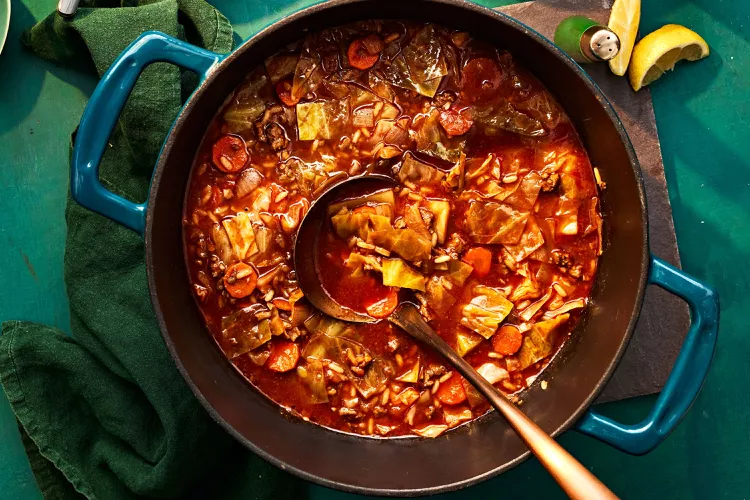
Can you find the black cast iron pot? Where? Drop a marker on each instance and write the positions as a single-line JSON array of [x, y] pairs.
[[403, 466]]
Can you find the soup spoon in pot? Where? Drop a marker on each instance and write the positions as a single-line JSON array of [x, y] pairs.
[[577, 481]]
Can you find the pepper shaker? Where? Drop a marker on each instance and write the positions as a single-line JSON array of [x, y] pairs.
[[585, 40]]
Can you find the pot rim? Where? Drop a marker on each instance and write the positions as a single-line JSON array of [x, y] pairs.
[[585, 404]]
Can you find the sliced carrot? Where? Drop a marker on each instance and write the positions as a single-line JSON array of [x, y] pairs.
[[452, 392], [284, 91], [240, 280], [284, 356], [455, 122], [359, 55], [507, 340], [229, 154], [480, 259], [384, 307], [365, 209]]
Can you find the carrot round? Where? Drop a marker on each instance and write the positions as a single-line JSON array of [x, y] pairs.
[[229, 154], [452, 392], [480, 259], [284, 356], [284, 91], [384, 307], [454, 122], [240, 280], [507, 340], [363, 53]]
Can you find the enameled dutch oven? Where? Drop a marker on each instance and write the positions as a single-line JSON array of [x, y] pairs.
[[402, 466]]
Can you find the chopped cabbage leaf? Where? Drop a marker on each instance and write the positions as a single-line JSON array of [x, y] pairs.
[[424, 56], [528, 289], [534, 308], [241, 235], [459, 271], [540, 341], [420, 66], [360, 224], [414, 221], [486, 310], [441, 209], [322, 119], [504, 116], [455, 415], [222, 243], [567, 307], [330, 326], [411, 375], [319, 58], [438, 297], [567, 209], [466, 340], [312, 377], [242, 332], [418, 172], [361, 97], [309, 175], [431, 431], [280, 66], [380, 86], [405, 242], [249, 103], [360, 263], [524, 197], [541, 107], [380, 197], [397, 273], [472, 394], [490, 222], [531, 239]]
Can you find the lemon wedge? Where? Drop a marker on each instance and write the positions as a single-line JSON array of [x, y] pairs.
[[658, 52], [623, 20]]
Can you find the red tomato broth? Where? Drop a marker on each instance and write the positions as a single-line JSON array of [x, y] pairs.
[[277, 153]]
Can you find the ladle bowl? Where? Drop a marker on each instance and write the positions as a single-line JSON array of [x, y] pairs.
[[577, 481]]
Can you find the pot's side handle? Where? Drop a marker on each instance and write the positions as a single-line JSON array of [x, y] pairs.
[[687, 376], [104, 109]]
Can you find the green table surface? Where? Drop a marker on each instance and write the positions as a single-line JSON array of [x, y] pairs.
[[701, 112]]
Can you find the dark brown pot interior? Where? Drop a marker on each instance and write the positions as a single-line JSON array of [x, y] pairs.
[[405, 466]]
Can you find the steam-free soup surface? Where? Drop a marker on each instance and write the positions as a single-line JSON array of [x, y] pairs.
[[494, 224]]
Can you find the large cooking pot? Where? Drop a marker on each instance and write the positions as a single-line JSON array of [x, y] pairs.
[[402, 466]]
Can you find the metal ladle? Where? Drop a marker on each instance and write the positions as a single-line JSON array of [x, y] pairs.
[[573, 478]]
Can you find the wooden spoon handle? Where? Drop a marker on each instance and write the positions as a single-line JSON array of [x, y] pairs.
[[577, 481]]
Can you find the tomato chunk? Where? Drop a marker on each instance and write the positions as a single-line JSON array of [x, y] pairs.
[[363, 53], [384, 307], [507, 340], [455, 122], [230, 154], [284, 91], [480, 78], [480, 259], [240, 280], [452, 392], [284, 356]]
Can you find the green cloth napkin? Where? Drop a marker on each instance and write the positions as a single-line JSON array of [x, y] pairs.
[[104, 413]]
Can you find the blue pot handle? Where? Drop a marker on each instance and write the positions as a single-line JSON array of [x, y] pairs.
[[688, 373], [104, 109]]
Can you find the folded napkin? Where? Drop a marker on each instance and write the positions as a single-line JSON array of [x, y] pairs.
[[104, 413]]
